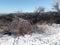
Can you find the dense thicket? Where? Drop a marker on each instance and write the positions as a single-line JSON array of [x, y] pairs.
[[33, 18]]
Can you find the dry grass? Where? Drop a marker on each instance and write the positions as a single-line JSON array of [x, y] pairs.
[[3, 26], [42, 27]]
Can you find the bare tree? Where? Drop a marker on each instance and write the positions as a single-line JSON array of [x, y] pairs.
[[18, 11], [56, 5], [39, 10]]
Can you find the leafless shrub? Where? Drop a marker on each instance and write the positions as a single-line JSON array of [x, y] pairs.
[[21, 27]]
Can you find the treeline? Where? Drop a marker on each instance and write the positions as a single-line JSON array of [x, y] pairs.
[[33, 18]]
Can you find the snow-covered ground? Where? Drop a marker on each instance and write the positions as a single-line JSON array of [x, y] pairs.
[[50, 37]]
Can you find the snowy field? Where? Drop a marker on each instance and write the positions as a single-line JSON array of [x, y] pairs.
[[51, 36]]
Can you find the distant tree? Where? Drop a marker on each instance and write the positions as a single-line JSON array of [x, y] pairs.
[[56, 5], [39, 10], [19, 11]]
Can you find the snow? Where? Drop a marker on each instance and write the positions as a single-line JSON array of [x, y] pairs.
[[50, 37]]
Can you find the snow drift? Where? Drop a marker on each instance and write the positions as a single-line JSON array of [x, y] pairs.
[[51, 36]]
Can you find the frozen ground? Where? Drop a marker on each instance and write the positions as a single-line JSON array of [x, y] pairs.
[[50, 37]]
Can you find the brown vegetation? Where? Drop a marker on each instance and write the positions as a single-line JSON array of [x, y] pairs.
[[21, 27], [21, 24]]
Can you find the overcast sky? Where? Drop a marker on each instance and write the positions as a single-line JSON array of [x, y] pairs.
[[24, 5]]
